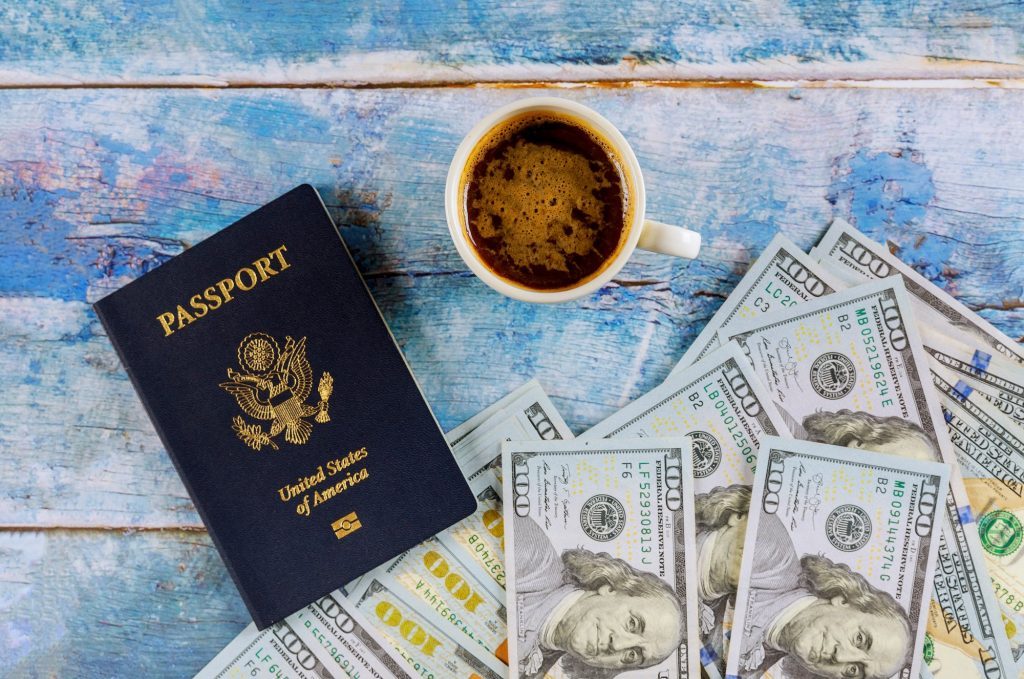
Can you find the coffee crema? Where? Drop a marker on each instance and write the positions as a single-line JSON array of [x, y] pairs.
[[546, 201]]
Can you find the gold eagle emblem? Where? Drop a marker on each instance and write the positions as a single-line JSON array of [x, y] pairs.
[[272, 386]]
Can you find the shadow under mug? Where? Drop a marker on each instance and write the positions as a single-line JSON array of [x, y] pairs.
[[640, 232]]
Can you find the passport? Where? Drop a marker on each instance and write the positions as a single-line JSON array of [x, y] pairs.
[[286, 406]]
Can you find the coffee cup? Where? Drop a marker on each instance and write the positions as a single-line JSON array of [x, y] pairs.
[[545, 202]]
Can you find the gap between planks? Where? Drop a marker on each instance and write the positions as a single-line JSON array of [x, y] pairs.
[[611, 83]]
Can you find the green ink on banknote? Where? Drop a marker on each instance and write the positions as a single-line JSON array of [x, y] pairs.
[[1001, 532]]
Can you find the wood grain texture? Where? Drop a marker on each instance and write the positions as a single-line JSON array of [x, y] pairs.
[[98, 187], [223, 42], [112, 604], [104, 567]]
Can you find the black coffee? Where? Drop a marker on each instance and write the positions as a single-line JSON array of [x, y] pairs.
[[546, 201]]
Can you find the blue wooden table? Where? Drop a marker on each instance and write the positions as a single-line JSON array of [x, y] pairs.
[[131, 130]]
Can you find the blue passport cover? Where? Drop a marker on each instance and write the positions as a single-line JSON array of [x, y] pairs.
[[286, 406]]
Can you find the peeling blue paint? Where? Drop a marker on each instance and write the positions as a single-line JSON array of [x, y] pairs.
[[116, 147], [133, 257], [888, 194], [930, 256], [882, 188], [32, 376], [36, 255]]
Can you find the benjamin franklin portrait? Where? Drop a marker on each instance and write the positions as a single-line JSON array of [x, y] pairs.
[[594, 614], [817, 617], [858, 429], [721, 519]]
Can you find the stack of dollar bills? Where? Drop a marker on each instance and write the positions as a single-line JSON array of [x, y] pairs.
[[830, 483]]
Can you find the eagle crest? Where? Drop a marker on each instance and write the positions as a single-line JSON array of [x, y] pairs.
[[272, 386]]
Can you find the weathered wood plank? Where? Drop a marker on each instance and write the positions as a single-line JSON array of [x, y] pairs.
[[278, 42], [97, 187], [111, 604]]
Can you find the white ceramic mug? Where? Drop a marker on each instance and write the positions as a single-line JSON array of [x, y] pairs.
[[640, 232]]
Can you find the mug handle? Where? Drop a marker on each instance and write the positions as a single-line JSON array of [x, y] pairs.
[[669, 240]]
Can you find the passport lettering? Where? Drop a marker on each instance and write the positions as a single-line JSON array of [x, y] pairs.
[[219, 294], [337, 466]]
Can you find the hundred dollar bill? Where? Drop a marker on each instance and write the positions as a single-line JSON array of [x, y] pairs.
[[837, 564], [858, 256], [990, 450], [600, 544], [460, 432], [435, 581], [995, 377], [519, 401], [721, 406], [853, 354], [345, 641], [850, 370], [344, 644], [782, 277], [278, 651], [432, 650], [530, 417], [480, 537]]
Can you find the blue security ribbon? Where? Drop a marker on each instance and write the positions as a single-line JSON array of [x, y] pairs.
[[707, 655], [980, 360], [963, 390], [966, 515]]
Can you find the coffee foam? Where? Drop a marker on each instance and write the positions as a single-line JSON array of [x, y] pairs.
[[542, 205], [541, 202]]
